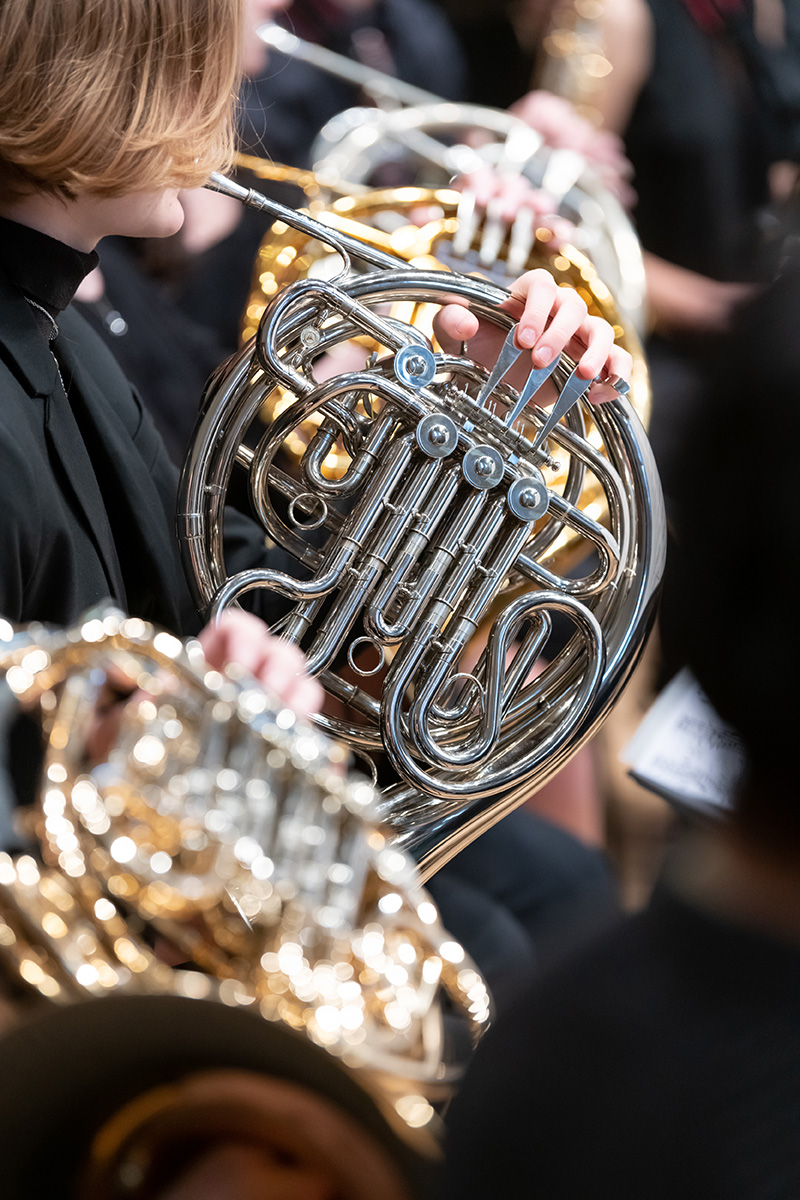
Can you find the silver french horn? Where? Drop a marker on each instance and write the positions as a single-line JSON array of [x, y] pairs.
[[430, 572]]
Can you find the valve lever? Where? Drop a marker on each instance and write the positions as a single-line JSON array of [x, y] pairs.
[[573, 390], [505, 361], [537, 377]]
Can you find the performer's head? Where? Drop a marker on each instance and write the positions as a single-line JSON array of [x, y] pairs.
[[110, 100]]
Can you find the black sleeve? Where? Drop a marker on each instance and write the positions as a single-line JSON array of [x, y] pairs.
[[578, 1093]]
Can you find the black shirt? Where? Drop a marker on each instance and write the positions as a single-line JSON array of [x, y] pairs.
[[87, 490], [44, 269], [699, 141], [47, 273]]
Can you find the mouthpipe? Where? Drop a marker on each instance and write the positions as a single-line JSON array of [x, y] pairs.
[[297, 220]]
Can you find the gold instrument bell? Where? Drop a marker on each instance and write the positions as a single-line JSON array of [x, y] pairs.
[[221, 826]]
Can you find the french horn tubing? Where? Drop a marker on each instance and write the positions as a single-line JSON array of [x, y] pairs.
[[447, 518], [385, 89], [220, 822], [287, 254]]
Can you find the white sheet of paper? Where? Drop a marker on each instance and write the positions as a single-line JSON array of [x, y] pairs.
[[685, 752]]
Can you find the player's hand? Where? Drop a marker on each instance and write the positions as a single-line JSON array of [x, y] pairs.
[[513, 196], [551, 320]]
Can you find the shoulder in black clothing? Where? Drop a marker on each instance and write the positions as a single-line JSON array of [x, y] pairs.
[[88, 490], [663, 1061]]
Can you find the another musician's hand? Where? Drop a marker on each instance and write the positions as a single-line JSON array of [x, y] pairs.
[[241, 638], [238, 638], [513, 195], [551, 319], [564, 128]]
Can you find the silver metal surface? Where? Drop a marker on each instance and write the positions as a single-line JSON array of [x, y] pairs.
[[415, 365], [528, 498], [437, 435], [573, 390], [483, 467], [417, 559]]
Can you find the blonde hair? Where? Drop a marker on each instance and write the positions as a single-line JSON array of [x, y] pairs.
[[113, 96]]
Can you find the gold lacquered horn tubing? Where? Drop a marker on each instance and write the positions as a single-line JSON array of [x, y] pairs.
[[280, 39], [298, 220]]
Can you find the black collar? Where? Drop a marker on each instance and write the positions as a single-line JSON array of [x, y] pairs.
[[41, 267]]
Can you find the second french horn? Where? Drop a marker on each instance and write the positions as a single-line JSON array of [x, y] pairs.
[[207, 827], [426, 141]]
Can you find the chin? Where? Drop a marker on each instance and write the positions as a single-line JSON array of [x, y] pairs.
[[169, 219]]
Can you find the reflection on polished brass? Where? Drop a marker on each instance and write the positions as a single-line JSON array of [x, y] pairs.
[[307, 181], [573, 62], [225, 827]]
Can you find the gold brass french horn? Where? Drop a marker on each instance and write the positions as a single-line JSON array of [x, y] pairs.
[[448, 516], [221, 823]]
